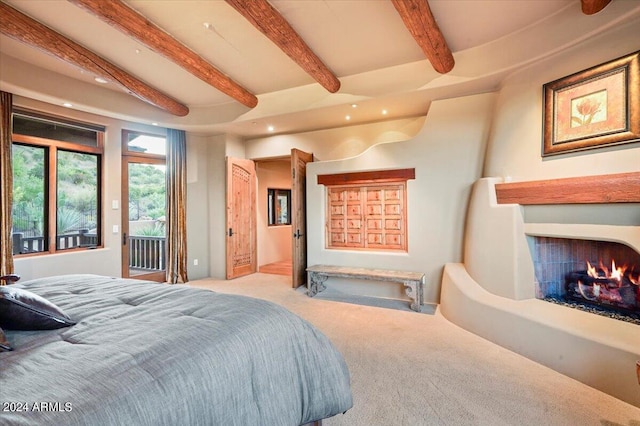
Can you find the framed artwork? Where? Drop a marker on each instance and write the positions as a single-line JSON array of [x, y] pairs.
[[593, 108]]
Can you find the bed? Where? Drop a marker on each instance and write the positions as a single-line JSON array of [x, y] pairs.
[[144, 353]]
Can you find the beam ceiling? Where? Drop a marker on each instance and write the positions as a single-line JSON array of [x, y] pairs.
[[267, 19], [589, 7], [21, 27], [420, 22], [125, 19]]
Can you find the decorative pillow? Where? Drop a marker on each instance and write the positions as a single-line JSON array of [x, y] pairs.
[[4, 344], [23, 310]]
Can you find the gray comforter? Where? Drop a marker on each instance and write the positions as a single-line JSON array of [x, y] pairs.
[[153, 354]]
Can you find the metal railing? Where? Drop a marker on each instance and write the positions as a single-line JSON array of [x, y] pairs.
[[145, 253]]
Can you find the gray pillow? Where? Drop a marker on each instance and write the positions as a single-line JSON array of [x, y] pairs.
[[4, 344], [23, 310]]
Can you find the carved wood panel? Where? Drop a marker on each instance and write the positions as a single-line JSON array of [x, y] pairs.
[[370, 216]]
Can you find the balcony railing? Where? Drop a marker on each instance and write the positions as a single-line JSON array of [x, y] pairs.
[[145, 253]]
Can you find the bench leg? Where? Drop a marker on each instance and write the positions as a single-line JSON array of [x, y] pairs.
[[413, 289], [315, 283]]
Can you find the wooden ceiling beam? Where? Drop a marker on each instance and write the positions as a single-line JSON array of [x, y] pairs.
[[127, 20], [589, 7], [420, 22], [272, 24], [20, 27]]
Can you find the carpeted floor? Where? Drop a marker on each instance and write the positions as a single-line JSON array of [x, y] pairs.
[[409, 368]]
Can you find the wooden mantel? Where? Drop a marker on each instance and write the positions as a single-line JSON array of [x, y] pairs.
[[601, 189]]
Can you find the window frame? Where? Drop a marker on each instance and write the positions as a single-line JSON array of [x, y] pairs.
[[272, 202], [52, 147]]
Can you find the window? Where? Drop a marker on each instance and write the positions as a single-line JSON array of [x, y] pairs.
[[279, 206], [367, 210], [57, 193]]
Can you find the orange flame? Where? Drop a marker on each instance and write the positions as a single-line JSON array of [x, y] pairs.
[[616, 273]]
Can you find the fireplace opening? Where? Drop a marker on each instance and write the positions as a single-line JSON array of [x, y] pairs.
[[596, 276]]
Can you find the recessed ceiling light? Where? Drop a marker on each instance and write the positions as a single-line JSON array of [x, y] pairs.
[[67, 104], [154, 124], [384, 112], [271, 128], [348, 117], [101, 80], [354, 105]]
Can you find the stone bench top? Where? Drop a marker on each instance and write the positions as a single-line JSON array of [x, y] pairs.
[[380, 274]]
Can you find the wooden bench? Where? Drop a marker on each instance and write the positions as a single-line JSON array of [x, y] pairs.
[[413, 281]]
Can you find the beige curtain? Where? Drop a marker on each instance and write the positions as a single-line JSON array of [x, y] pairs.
[[6, 189], [176, 206]]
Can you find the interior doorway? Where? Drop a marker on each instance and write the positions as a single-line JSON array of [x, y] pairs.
[[279, 212], [274, 215]]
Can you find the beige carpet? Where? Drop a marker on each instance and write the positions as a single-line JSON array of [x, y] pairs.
[[419, 369]]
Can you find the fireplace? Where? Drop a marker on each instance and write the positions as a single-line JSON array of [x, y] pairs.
[[597, 276], [498, 291]]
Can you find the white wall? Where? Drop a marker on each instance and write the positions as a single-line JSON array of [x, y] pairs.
[[447, 155]]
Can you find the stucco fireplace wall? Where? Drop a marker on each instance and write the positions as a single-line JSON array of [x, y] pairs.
[[492, 295]]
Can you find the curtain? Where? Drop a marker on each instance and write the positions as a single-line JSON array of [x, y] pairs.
[[6, 189], [176, 225]]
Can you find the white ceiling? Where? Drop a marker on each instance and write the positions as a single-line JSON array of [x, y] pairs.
[[364, 42]]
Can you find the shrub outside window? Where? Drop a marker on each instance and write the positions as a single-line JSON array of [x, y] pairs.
[[57, 193]]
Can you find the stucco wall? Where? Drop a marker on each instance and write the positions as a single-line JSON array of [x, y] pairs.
[[447, 157], [514, 148]]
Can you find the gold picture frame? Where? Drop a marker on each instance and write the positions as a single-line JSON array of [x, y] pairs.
[[593, 108]]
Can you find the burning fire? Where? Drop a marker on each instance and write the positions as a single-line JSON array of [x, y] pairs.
[[607, 283], [615, 274]]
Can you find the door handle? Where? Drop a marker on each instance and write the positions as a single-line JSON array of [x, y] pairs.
[[124, 238], [231, 232], [297, 234]]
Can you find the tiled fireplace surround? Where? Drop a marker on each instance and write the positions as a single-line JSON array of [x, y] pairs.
[[554, 258], [493, 294]]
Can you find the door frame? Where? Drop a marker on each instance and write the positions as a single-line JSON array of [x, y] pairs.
[[129, 157]]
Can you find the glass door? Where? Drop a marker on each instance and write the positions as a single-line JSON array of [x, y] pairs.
[[144, 208]]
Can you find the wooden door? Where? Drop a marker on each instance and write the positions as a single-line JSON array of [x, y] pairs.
[[241, 217], [299, 160]]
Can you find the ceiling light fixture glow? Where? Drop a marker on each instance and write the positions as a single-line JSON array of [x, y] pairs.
[[354, 105], [271, 128], [348, 117], [384, 112]]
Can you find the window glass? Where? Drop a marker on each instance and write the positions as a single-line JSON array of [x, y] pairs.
[[55, 215], [29, 204], [77, 200], [148, 144], [30, 126]]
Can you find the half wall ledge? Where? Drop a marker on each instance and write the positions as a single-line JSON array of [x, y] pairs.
[[570, 341]]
